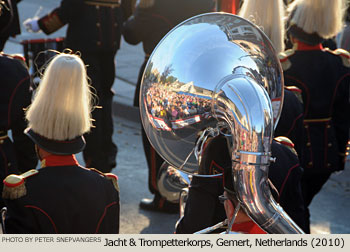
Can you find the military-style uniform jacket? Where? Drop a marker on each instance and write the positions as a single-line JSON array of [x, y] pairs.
[[149, 25], [203, 208], [93, 25], [9, 21], [323, 76], [15, 96], [62, 197]]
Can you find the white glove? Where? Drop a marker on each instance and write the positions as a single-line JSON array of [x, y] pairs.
[[31, 24]]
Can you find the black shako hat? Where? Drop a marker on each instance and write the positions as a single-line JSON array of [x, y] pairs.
[[301, 35], [66, 147]]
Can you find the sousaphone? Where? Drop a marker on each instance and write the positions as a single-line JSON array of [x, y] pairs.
[[218, 74]]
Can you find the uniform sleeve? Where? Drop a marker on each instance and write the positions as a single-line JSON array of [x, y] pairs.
[[203, 208], [128, 8], [135, 29], [18, 219], [291, 198], [109, 222], [341, 117], [65, 13], [286, 174], [19, 101]]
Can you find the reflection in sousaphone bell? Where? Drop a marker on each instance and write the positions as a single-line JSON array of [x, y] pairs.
[[171, 181], [184, 75], [218, 74]]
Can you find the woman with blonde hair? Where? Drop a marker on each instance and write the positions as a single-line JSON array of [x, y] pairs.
[[61, 196], [323, 76]]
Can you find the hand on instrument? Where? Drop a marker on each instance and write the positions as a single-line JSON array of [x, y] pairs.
[[31, 24]]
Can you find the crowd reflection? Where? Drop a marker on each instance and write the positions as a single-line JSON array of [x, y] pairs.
[[164, 103]]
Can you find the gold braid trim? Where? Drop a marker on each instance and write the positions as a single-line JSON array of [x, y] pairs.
[[345, 55], [318, 120], [109, 176], [283, 56], [52, 22], [286, 142], [14, 185], [104, 3]]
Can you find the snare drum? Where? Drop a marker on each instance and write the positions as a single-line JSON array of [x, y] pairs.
[[37, 53]]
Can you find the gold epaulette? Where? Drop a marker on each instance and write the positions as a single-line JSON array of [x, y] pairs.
[[286, 142], [19, 57], [114, 179], [345, 55], [297, 91], [14, 56], [293, 89], [283, 56], [14, 185], [109, 176]]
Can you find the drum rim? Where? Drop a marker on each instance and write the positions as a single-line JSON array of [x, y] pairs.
[[42, 40]]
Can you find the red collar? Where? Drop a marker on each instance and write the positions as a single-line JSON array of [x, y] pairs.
[[56, 160], [248, 227], [300, 46]]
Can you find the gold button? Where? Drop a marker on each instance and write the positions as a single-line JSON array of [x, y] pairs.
[[347, 148], [306, 126], [8, 164], [1, 141], [328, 126], [97, 7], [98, 43], [310, 163], [98, 24], [308, 144], [115, 24], [328, 165], [330, 145]]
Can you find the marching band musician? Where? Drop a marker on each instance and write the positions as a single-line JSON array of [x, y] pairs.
[[323, 76], [203, 206], [151, 20], [269, 16], [15, 96], [94, 29], [57, 197], [285, 174]]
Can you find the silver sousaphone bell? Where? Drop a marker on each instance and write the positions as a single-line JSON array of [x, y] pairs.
[[218, 74]]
